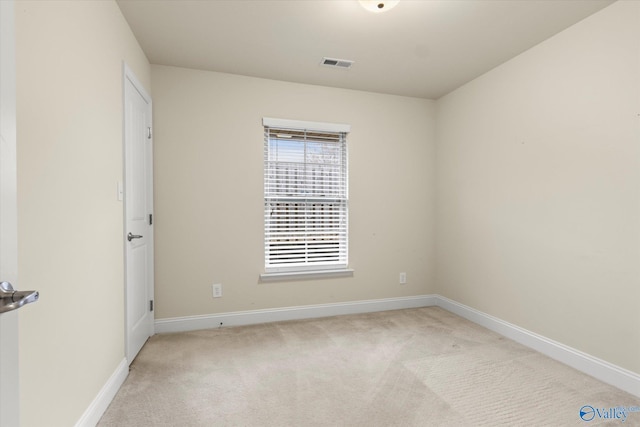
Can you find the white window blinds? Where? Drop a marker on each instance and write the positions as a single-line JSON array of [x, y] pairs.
[[305, 199]]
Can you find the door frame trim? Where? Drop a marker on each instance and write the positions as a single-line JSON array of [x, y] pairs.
[[9, 355]]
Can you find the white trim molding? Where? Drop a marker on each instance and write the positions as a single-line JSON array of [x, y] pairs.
[[237, 318], [590, 365], [278, 276], [305, 125], [104, 398]]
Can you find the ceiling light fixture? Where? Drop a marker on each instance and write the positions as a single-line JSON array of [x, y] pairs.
[[379, 6]]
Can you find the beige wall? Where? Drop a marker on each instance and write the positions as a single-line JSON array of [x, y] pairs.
[[209, 191], [538, 197], [69, 113]]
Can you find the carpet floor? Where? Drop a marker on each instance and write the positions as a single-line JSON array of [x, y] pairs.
[[413, 367]]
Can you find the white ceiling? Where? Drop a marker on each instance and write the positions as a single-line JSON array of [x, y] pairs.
[[421, 48]]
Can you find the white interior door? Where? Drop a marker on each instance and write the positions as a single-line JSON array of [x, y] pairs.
[[138, 148], [9, 377]]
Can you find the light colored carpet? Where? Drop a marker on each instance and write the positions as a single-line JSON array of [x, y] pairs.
[[414, 367]]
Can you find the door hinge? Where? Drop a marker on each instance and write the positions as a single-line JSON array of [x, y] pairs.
[[150, 305], [149, 134], [150, 219]]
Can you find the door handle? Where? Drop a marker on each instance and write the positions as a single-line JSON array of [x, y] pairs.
[[130, 236], [11, 299]]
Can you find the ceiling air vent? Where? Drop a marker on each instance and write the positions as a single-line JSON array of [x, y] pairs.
[[337, 63]]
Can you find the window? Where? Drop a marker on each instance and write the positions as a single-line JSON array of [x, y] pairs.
[[305, 196]]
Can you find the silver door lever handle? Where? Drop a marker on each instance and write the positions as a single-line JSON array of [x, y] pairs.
[[130, 236], [11, 299]]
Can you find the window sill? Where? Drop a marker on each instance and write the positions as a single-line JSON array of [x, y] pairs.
[[305, 275]]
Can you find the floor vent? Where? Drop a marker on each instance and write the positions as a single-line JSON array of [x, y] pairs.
[[337, 63]]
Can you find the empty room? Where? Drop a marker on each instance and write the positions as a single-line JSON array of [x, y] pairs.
[[320, 213]]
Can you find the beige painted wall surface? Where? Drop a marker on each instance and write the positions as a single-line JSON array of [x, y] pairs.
[[69, 107], [209, 191], [538, 189]]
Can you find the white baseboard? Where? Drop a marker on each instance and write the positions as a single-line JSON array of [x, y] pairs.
[[191, 323], [102, 401], [590, 365]]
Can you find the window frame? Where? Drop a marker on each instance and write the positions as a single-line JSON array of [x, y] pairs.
[[306, 269]]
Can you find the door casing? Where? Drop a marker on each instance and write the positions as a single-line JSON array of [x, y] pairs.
[[9, 367]]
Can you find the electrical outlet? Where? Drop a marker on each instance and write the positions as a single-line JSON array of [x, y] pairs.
[[403, 278], [217, 290]]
